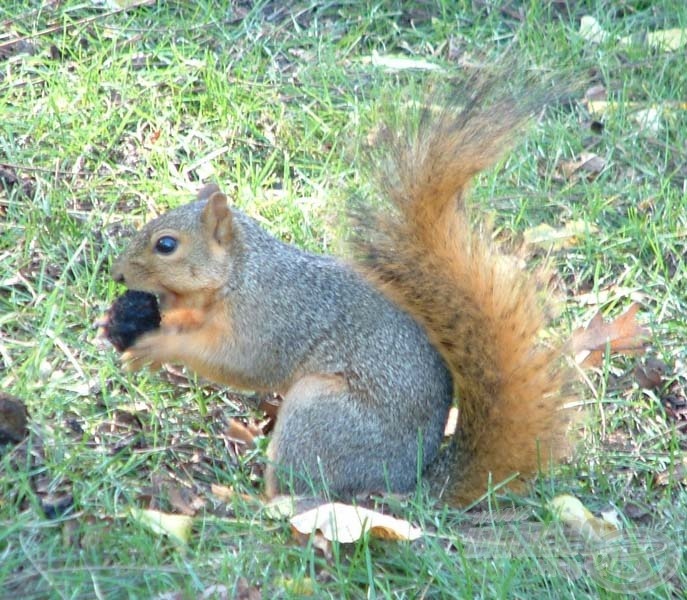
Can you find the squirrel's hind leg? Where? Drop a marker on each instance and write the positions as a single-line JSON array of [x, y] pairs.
[[313, 451]]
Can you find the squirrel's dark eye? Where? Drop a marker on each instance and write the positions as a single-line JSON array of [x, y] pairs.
[[166, 245]]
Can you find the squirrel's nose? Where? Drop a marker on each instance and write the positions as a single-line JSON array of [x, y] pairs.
[[117, 274]]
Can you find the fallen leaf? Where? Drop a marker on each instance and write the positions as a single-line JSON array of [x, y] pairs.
[[227, 494], [548, 237], [623, 335], [612, 294], [13, 419], [602, 107], [346, 524], [177, 527], [222, 492], [184, 500], [591, 31], [318, 541], [675, 401], [595, 92], [10, 179], [401, 63], [281, 507], [663, 40], [238, 432], [650, 375], [299, 587], [118, 5], [269, 405], [648, 119], [588, 163], [154, 137], [124, 431], [676, 473], [244, 591], [578, 517]]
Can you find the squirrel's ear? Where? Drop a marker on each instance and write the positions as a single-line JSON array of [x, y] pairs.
[[208, 190], [217, 218]]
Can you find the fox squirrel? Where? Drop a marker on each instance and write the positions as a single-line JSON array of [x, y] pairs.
[[368, 358]]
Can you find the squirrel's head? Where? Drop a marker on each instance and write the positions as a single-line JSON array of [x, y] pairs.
[[184, 252]]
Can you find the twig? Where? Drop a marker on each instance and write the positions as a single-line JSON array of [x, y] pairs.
[[33, 169]]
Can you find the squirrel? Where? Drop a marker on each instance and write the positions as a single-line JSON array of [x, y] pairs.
[[369, 356]]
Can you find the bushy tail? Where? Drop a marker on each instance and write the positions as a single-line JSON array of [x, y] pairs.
[[483, 313]]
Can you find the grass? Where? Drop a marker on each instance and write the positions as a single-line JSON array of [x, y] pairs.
[[111, 117]]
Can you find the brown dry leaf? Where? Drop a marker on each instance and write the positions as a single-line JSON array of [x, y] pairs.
[[675, 403], [227, 494], [319, 542], [238, 432], [269, 405], [222, 492], [675, 474], [587, 163], [184, 500], [14, 419], [346, 524], [244, 591], [124, 431], [650, 374], [10, 179], [623, 335], [154, 136]]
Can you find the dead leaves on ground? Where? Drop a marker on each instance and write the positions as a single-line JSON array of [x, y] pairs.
[[186, 484], [551, 238], [176, 527], [317, 527], [10, 181], [346, 524], [14, 419], [587, 165], [626, 336], [662, 40], [675, 474], [576, 515], [623, 335]]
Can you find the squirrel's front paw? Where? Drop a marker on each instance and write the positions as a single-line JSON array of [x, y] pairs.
[[149, 350]]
